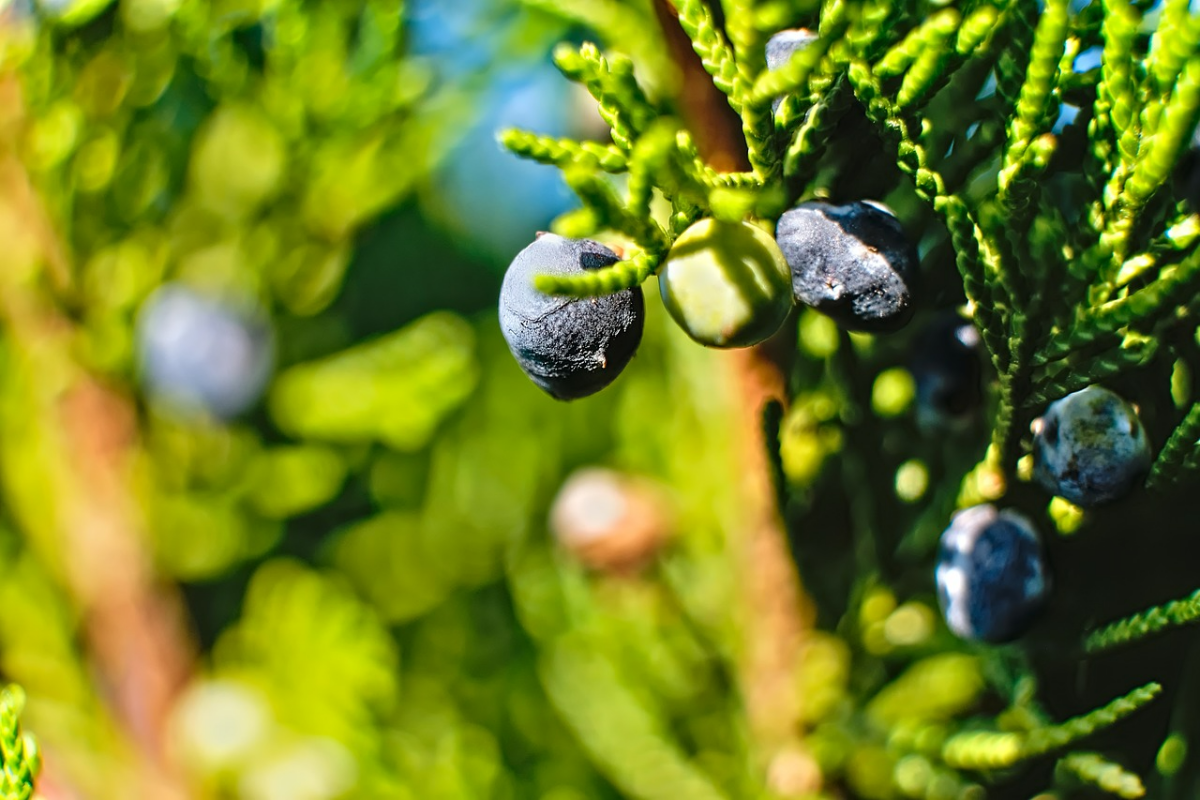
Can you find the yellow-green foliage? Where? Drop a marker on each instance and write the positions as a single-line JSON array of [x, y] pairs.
[[371, 601]]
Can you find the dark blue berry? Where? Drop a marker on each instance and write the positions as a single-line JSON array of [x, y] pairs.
[[948, 372], [852, 262], [1089, 447], [197, 353], [992, 577], [571, 348], [782, 45]]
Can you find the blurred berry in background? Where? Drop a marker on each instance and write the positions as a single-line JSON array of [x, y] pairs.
[[947, 367], [609, 520], [199, 354]]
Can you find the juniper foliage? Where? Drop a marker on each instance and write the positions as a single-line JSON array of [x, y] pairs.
[[373, 602]]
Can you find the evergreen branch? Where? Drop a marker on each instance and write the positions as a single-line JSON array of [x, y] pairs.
[[933, 59], [1145, 623], [1174, 286], [791, 77], [564, 153], [665, 157], [1010, 67], [681, 174], [971, 248], [732, 180], [835, 18], [578, 223], [975, 29], [718, 59], [1179, 450], [911, 158], [611, 213], [868, 33], [1166, 131], [19, 757], [622, 103], [740, 27], [624, 274], [936, 62], [1192, 462], [1001, 449], [1019, 181], [901, 56], [1027, 156], [982, 750], [643, 168], [632, 25], [682, 219], [758, 129], [1097, 770], [1112, 111], [1162, 147], [715, 54], [1028, 319], [1135, 351], [1098, 165], [1116, 137], [1033, 104], [1173, 44], [1117, 87], [1136, 267], [969, 255], [985, 750], [1180, 236], [800, 161]]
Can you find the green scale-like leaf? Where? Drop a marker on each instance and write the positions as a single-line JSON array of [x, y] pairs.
[[983, 750], [1097, 770], [19, 757], [1145, 623], [622, 103]]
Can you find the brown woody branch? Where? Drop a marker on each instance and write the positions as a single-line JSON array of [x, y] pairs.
[[776, 611]]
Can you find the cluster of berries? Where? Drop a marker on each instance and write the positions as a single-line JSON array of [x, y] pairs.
[[725, 284], [733, 284], [992, 576]]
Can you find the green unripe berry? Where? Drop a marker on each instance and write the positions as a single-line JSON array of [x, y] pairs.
[[726, 283]]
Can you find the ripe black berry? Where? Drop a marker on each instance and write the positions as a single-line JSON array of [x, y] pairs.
[[947, 369], [1089, 447], [571, 348], [992, 576], [852, 262]]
